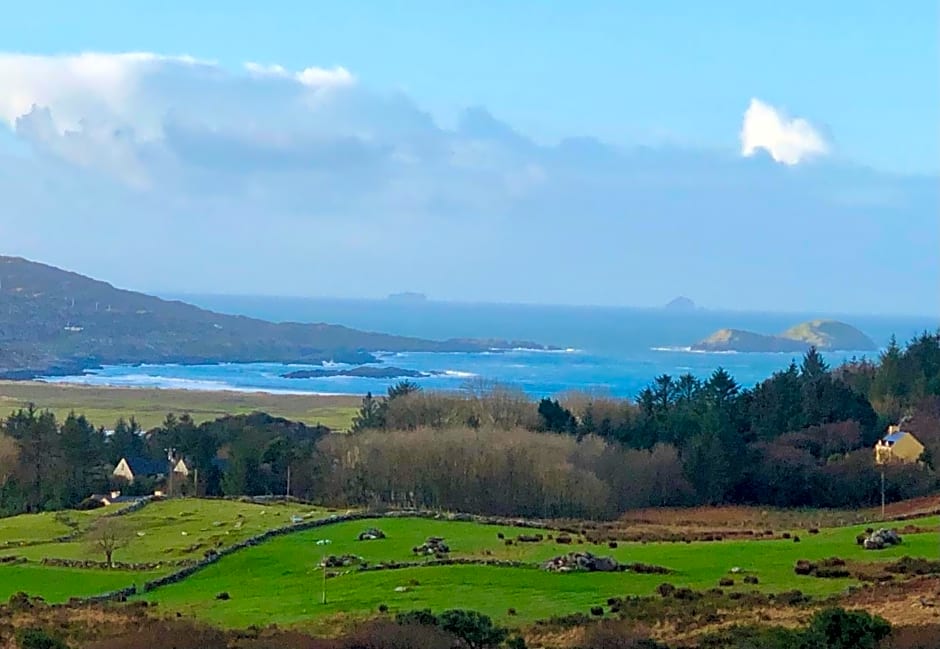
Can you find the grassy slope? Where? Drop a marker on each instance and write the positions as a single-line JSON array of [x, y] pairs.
[[177, 529], [59, 584], [278, 581], [103, 406]]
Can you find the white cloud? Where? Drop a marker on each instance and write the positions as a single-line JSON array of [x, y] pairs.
[[787, 140], [268, 179]]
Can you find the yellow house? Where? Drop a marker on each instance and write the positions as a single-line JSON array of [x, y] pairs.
[[898, 446]]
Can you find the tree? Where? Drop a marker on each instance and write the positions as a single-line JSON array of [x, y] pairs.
[[370, 415], [555, 418], [107, 536], [402, 389], [9, 457]]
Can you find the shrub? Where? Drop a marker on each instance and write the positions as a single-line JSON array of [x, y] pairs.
[[832, 573], [508, 541], [224, 596], [685, 594], [500, 536], [38, 639], [597, 611], [475, 629], [751, 579], [726, 581], [383, 608], [832, 562], [836, 628], [791, 597], [786, 535], [511, 612], [665, 590], [611, 544], [796, 539], [813, 530], [422, 617], [804, 567], [564, 539]]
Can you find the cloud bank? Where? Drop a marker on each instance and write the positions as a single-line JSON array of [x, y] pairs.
[[787, 140], [168, 172]]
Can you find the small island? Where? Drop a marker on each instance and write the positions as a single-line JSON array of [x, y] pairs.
[[825, 335], [363, 372], [681, 303]]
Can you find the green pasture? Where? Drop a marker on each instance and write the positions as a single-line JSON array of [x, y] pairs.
[[103, 406], [279, 581], [171, 530], [59, 584]]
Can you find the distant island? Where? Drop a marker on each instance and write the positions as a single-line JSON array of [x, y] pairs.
[[55, 322], [408, 296], [365, 372], [825, 335], [681, 303]]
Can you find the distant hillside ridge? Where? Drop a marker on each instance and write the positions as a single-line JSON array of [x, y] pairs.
[[54, 322], [825, 335]]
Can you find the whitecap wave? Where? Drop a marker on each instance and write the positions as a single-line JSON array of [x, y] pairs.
[[459, 374]]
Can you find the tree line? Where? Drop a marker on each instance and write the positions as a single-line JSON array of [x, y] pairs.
[[803, 437]]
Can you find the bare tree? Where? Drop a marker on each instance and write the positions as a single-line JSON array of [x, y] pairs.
[[9, 458], [107, 536]]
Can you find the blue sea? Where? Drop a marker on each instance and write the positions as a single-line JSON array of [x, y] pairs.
[[606, 350]]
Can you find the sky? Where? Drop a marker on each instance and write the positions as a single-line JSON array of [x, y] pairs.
[[766, 157]]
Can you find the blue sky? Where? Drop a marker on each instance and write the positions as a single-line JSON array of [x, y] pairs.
[[628, 72], [766, 156]]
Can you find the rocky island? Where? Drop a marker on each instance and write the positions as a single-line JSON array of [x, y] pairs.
[[363, 372], [825, 335]]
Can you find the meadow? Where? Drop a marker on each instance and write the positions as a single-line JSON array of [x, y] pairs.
[[280, 581], [104, 405]]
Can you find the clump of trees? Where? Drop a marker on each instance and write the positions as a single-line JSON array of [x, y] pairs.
[[501, 472]]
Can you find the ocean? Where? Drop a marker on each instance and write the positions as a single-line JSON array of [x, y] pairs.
[[606, 350]]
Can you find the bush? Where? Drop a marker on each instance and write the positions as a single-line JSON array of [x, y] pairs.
[[597, 611], [804, 567], [564, 539], [725, 582], [422, 617], [751, 579], [511, 612], [612, 544], [38, 639], [665, 590], [836, 628], [791, 598], [224, 596], [475, 629], [383, 608]]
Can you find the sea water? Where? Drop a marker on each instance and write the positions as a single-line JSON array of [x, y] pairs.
[[602, 350]]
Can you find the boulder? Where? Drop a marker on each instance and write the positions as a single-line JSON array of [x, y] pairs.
[[371, 534], [881, 539], [435, 546], [582, 562]]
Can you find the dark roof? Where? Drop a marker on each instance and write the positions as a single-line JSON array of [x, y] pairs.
[[147, 467], [893, 437]]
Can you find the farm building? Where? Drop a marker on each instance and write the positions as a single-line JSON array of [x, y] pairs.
[[138, 467], [898, 446]]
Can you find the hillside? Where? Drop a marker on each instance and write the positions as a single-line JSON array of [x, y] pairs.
[[827, 335], [54, 321]]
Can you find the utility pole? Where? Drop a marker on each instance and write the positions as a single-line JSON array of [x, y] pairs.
[[196, 482]]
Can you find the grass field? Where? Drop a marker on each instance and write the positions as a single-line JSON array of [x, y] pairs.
[[168, 530], [103, 406], [279, 581], [59, 584]]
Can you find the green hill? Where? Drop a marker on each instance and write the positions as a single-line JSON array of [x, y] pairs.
[[55, 322]]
